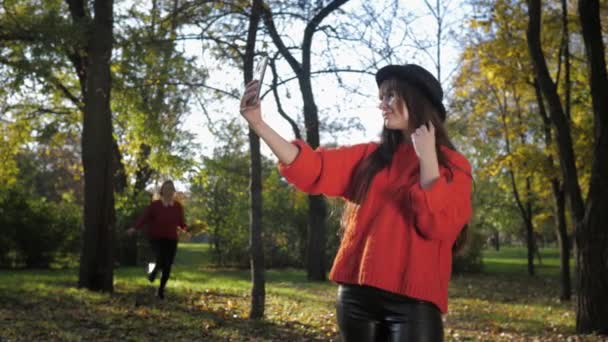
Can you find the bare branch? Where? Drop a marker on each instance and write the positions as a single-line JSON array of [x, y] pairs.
[[203, 85], [73, 98], [277, 99], [328, 71], [276, 38], [211, 123]]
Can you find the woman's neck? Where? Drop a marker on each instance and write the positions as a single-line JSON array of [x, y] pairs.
[[407, 137], [167, 201]]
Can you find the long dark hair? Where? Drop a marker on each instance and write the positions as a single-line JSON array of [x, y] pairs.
[[421, 111]]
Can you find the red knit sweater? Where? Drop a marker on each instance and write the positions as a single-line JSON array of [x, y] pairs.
[[162, 220], [401, 240]]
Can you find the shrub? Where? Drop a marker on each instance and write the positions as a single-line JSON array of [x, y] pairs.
[[35, 232], [469, 259]]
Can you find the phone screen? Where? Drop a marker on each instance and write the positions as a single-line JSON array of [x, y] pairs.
[[258, 73]]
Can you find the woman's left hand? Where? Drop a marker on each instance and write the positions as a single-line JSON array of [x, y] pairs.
[[423, 140], [184, 232]]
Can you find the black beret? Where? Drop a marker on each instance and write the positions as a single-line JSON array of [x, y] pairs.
[[418, 77]]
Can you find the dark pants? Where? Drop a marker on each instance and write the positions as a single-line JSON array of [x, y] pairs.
[[367, 314], [164, 253]]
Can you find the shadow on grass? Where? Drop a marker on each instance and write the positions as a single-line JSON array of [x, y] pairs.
[[509, 303], [50, 312], [504, 288], [210, 304]]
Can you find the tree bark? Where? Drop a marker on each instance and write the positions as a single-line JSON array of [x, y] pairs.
[[563, 239], [592, 235], [96, 263], [566, 57], [256, 248], [525, 210], [317, 206], [528, 215], [558, 189], [560, 204], [556, 112]]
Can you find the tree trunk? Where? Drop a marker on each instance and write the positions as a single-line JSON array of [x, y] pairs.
[[558, 190], [556, 112], [563, 240], [566, 56], [258, 291], [96, 263], [256, 248], [525, 211], [317, 206], [528, 215], [560, 203], [315, 259], [592, 235], [218, 252], [530, 244]]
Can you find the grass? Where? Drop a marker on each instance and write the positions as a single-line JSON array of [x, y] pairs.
[[513, 260], [204, 303]]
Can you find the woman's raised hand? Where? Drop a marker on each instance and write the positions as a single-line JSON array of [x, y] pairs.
[[423, 140], [250, 104], [252, 112]]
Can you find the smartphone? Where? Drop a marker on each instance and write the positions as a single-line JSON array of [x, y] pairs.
[[258, 74]]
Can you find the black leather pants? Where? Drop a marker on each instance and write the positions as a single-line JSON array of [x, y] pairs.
[[367, 314], [164, 253]]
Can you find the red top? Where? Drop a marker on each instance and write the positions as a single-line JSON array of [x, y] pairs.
[[401, 240], [162, 220]]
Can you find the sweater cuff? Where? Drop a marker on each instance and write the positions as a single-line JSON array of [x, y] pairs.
[[431, 199], [296, 171]]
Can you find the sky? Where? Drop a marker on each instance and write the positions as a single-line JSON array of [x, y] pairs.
[[333, 101]]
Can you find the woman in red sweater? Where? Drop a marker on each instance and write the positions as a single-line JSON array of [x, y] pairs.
[[408, 199], [163, 218]]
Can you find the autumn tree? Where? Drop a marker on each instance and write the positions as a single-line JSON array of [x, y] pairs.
[[589, 214]]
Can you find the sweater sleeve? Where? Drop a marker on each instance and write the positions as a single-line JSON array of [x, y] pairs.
[[145, 218], [441, 210], [182, 222], [324, 170]]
